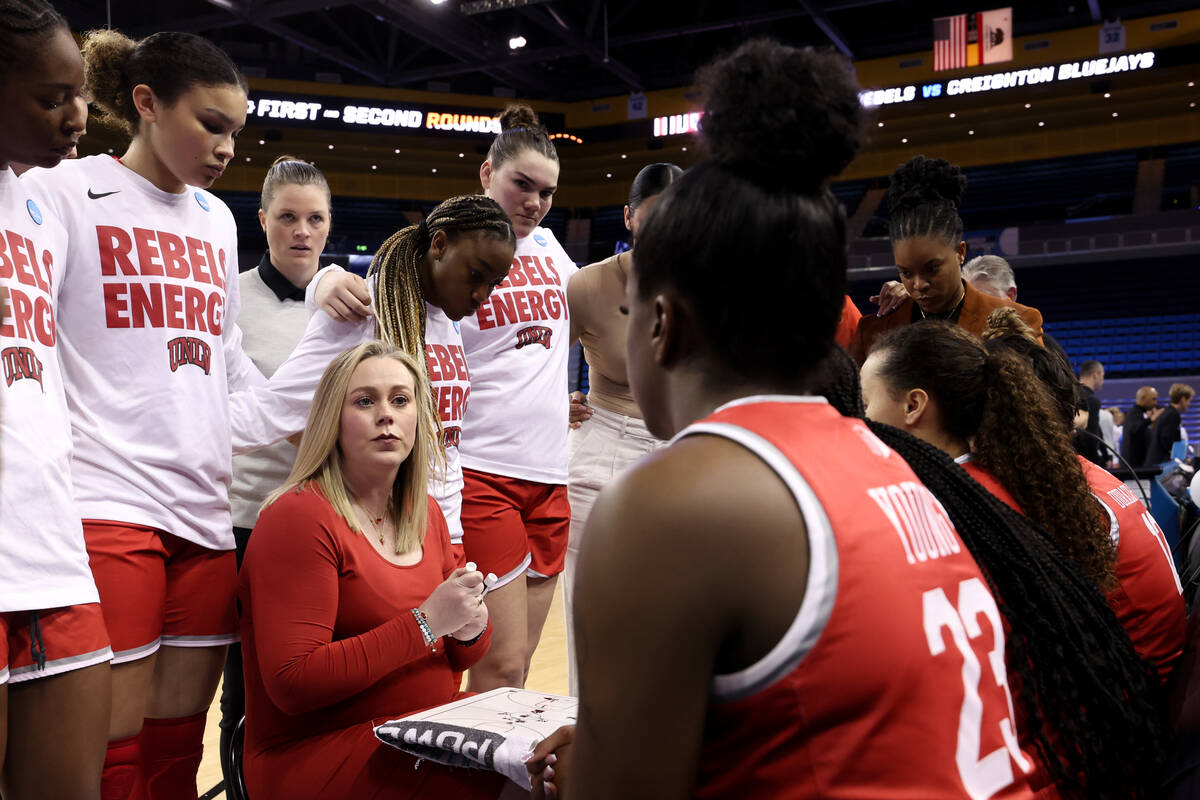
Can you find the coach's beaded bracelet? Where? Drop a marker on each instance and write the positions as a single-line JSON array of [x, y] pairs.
[[426, 631]]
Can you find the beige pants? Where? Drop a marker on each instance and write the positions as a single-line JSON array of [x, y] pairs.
[[597, 451]]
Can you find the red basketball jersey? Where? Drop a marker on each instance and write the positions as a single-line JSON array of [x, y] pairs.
[[1148, 599], [891, 681], [988, 481]]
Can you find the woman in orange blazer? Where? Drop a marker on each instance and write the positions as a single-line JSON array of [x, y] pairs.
[[929, 250]]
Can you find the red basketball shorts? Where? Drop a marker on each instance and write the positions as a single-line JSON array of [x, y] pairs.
[[512, 526], [157, 589], [63, 639]]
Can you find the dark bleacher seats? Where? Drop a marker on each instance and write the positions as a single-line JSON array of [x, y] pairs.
[[1168, 344], [608, 228], [1050, 190], [1181, 176], [850, 193]]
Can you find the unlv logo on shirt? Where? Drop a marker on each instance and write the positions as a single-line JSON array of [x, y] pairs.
[[21, 362], [189, 350], [451, 437], [534, 334]]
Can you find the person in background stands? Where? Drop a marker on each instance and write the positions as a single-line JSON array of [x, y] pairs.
[[1135, 438], [1165, 432], [1111, 431], [613, 435], [1088, 443]]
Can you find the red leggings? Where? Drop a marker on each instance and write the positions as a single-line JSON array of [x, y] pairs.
[[351, 762]]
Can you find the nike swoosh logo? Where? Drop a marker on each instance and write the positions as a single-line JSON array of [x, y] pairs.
[[95, 196]]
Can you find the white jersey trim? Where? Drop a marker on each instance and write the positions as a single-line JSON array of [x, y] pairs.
[[200, 641], [136, 653], [771, 398], [511, 576], [963, 459], [61, 665], [821, 588], [1114, 527]]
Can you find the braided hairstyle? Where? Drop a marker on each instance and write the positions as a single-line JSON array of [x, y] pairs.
[[839, 384], [399, 296], [23, 26], [169, 63], [923, 197], [1091, 708], [993, 400]]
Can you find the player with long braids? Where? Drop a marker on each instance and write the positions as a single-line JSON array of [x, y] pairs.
[[54, 649], [837, 627], [425, 278]]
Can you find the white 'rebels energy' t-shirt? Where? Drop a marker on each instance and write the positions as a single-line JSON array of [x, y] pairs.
[[450, 380], [517, 347], [43, 560], [150, 354]]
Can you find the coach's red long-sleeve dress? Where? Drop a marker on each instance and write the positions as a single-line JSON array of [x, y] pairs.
[[331, 648]]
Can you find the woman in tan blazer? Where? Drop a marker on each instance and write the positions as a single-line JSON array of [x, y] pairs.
[[928, 246]]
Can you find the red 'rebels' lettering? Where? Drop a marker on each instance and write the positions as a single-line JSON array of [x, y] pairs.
[[533, 270], [115, 246], [189, 350], [19, 259], [516, 276], [154, 253], [446, 363], [21, 362], [535, 334]]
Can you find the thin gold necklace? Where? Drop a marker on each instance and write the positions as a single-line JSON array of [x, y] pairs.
[[948, 314], [375, 522]]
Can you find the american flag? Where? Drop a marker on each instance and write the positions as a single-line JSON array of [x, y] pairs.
[[950, 42]]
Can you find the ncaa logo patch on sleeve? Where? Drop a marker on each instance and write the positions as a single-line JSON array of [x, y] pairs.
[[537, 237], [35, 213], [202, 201]]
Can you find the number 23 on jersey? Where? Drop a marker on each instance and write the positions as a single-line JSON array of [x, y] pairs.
[[959, 623]]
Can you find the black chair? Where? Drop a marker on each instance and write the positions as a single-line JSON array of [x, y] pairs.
[[235, 783]]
